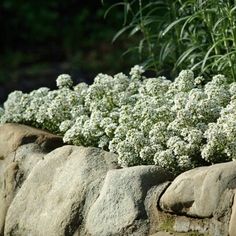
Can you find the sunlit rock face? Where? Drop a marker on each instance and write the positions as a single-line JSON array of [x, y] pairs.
[[49, 188]]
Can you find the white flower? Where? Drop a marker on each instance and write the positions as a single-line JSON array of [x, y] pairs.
[[232, 89], [177, 125], [165, 159], [65, 125], [136, 72], [1, 112], [64, 81], [184, 162], [103, 142], [184, 82], [198, 80]]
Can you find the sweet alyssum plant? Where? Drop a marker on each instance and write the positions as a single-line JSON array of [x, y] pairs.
[[176, 125]]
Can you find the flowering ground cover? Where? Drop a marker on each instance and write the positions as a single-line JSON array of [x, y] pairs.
[[177, 125]]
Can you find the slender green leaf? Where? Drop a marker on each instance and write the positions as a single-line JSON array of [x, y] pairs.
[[141, 45], [113, 6], [170, 26], [185, 55], [218, 23], [120, 32], [209, 51]]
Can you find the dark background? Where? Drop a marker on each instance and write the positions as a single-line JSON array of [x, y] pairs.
[[41, 39]]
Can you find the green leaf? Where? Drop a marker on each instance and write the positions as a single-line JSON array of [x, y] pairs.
[[209, 51], [186, 54], [120, 32], [217, 23], [113, 6], [140, 47], [174, 23]]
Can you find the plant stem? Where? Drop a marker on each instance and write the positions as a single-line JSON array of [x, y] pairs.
[[176, 32], [229, 57], [233, 32], [147, 37]]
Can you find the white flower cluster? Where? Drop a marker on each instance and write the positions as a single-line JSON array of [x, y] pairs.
[[64, 81], [177, 125], [1, 111]]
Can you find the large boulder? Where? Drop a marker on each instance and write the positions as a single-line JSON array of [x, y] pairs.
[[120, 208], [21, 147], [56, 196], [199, 192], [14, 135], [14, 170], [82, 191]]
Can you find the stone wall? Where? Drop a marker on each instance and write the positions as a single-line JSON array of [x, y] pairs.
[[47, 188]]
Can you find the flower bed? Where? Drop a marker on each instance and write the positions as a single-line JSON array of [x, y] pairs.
[[177, 125]]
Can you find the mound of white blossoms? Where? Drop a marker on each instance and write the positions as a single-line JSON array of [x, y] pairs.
[[177, 125]]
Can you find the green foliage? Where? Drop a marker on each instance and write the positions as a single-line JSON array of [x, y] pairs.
[[180, 34]]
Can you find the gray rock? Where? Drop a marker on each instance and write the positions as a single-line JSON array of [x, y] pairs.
[[219, 225], [58, 192], [14, 169], [155, 216], [21, 147], [14, 135], [120, 209], [187, 224], [198, 192], [162, 233], [232, 223]]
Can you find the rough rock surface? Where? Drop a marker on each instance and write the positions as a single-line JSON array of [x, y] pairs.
[[162, 234], [232, 223], [15, 169], [155, 216], [74, 191], [120, 209], [14, 135], [21, 147], [56, 196], [198, 192]]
